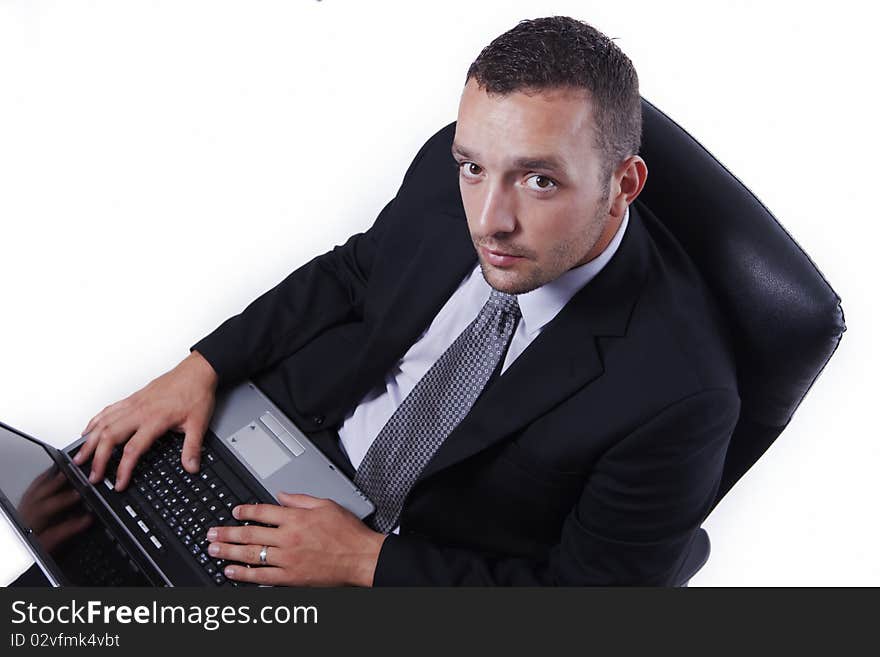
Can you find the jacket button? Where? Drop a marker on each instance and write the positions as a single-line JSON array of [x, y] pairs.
[[318, 419]]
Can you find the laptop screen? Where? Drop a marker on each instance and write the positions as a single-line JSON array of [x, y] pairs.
[[84, 552]]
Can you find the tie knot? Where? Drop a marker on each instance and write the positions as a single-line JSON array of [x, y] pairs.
[[503, 302]]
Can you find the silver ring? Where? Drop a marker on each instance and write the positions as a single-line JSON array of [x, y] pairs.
[[263, 554]]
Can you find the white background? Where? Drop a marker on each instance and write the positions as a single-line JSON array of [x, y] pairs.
[[164, 163]]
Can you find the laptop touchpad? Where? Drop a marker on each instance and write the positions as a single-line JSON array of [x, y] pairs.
[[259, 450]]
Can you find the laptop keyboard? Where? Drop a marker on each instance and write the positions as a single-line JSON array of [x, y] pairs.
[[164, 503]]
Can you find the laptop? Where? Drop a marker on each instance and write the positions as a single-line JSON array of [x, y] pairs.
[[153, 532]]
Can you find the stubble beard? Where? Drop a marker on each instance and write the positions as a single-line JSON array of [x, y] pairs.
[[562, 257]]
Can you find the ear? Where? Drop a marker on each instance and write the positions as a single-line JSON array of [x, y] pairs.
[[633, 173]]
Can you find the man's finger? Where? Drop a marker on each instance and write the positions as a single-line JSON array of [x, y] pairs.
[[109, 416], [262, 575], [111, 436], [94, 421], [233, 552], [300, 500], [85, 450], [269, 514], [99, 461], [138, 444], [191, 454], [251, 534]]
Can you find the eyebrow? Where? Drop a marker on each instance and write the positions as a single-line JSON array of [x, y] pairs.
[[545, 162]]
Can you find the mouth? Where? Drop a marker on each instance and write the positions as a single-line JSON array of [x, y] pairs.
[[499, 258]]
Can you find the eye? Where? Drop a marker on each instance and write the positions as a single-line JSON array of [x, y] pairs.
[[542, 183], [469, 169]]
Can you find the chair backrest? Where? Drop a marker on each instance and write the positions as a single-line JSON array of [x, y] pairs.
[[785, 321]]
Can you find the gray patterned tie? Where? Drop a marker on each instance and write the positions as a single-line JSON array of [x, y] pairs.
[[430, 412]]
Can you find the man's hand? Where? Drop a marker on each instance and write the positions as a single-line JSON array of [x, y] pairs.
[[181, 399], [316, 542]]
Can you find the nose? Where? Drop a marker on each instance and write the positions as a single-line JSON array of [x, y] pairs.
[[497, 213]]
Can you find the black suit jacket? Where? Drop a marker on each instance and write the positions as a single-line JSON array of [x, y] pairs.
[[591, 461]]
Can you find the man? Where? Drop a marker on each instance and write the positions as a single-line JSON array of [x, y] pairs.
[[519, 366]]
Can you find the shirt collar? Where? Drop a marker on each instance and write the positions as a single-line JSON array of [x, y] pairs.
[[543, 304]]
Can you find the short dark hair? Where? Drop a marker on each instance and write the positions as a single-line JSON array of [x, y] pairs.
[[561, 52]]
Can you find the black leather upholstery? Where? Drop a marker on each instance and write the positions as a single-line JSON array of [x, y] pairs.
[[785, 320]]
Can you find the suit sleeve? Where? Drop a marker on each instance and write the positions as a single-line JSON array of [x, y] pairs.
[[640, 508], [326, 291]]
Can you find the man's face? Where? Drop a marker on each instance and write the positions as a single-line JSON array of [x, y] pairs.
[[529, 180]]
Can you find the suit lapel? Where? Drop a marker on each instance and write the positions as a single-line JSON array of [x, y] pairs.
[[444, 255], [561, 360], [441, 259]]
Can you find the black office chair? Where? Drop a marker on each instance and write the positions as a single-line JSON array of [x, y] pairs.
[[784, 318]]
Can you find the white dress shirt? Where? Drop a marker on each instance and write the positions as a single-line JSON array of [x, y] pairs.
[[538, 307]]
